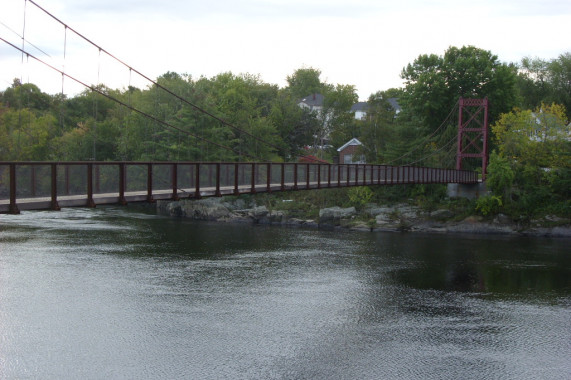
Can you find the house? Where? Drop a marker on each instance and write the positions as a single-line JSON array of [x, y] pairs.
[[395, 104], [544, 127], [349, 153], [360, 109], [313, 102]]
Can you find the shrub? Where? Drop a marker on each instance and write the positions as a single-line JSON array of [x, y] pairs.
[[360, 196], [489, 204]]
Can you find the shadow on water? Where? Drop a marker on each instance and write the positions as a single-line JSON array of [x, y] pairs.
[[480, 264]]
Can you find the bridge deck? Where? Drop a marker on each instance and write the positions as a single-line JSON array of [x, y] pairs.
[[45, 203], [51, 185]]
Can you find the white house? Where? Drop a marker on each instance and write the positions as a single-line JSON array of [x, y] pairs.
[[313, 102], [360, 109]]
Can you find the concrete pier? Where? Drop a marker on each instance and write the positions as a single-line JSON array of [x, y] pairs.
[[470, 191]]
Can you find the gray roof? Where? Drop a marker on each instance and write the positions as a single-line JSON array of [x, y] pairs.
[[395, 104], [364, 106], [313, 100], [361, 106], [353, 141], [316, 100]]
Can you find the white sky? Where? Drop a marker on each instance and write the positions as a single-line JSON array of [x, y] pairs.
[[365, 43]]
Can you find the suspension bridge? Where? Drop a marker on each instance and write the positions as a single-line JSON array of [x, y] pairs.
[[56, 184]]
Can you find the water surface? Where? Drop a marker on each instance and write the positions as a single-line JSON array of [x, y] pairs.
[[117, 293]]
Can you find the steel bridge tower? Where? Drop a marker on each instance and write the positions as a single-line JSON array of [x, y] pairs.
[[473, 132]]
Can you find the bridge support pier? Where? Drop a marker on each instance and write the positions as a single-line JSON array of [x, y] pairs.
[[468, 191]]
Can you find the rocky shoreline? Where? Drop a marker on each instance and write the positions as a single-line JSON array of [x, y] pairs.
[[395, 218]]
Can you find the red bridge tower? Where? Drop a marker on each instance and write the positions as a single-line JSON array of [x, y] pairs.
[[473, 132]]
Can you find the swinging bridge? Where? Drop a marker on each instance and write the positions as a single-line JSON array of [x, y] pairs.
[[56, 184]]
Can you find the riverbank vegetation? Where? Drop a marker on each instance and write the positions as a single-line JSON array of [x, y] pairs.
[[239, 117]]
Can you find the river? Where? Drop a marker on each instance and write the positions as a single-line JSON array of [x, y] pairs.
[[118, 293]]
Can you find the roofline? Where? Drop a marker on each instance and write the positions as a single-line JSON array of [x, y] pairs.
[[353, 141]]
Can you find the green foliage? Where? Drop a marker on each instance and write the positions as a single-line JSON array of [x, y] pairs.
[[538, 138], [305, 81], [545, 81], [429, 197], [295, 126], [339, 121], [434, 83], [27, 95], [378, 130], [360, 196], [500, 176], [35, 125], [26, 135], [531, 169], [489, 204]]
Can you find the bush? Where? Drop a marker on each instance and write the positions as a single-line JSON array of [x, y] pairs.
[[360, 196], [489, 204], [500, 176]]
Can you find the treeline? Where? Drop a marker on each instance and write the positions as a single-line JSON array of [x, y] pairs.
[[150, 124], [233, 117], [257, 120]]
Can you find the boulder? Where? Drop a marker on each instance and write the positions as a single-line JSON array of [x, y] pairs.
[[170, 208], [333, 215], [502, 219], [375, 211], [441, 214], [202, 209], [258, 212], [407, 212], [262, 215]]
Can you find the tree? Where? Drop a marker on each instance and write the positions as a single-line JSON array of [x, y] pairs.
[[536, 147], [338, 121], [26, 95], [500, 176], [433, 84], [541, 81], [539, 138], [377, 131], [26, 136], [245, 101], [295, 125], [305, 81]]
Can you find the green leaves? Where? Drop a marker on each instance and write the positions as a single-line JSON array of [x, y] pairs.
[[501, 176], [489, 204], [545, 81], [434, 83], [305, 81], [531, 169]]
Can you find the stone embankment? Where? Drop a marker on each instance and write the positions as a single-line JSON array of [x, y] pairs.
[[400, 217]]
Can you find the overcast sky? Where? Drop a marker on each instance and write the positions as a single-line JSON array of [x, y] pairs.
[[365, 43]]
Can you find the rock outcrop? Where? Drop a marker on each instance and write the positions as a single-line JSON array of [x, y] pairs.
[[400, 217], [334, 216]]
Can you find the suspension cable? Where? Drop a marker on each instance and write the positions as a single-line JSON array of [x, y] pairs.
[[421, 143], [22, 38], [209, 114], [435, 152]]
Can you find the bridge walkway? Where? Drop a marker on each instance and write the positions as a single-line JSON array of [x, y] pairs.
[[51, 185]]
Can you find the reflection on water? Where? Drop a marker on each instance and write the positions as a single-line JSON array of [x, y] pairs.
[[112, 293]]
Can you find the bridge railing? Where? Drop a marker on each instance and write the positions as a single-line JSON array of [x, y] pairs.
[[49, 185]]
